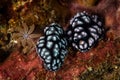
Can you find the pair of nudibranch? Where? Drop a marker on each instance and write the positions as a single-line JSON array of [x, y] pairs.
[[84, 31]]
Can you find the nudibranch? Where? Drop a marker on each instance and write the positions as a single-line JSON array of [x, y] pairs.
[[52, 47], [85, 30]]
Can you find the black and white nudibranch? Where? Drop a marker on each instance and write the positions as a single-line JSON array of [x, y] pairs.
[[85, 30], [52, 47]]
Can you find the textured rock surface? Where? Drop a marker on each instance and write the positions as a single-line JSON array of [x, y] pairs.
[[77, 65]]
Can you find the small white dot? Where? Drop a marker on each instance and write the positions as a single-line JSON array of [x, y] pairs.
[[77, 15], [79, 22], [90, 41], [53, 24], [39, 50], [47, 60], [80, 28], [96, 27], [84, 34], [69, 32], [41, 41], [95, 18], [62, 40], [42, 51], [82, 13], [100, 23], [63, 52], [56, 46], [86, 19], [71, 21], [48, 66], [55, 67], [60, 30], [52, 28], [92, 30], [58, 60], [81, 47], [70, 38], [79, 36], [75, 34], [40, 45], [46, 29], [54, 38], [46, 54], [76, 19], [85, 45], [41, 38], [76, 30], [55, 52], [75, 45], [59, 64], [49, 44], [100, 31], [62, 56], [54, 62], [95, 36], [63, 59], [49, 37], [73, 24]]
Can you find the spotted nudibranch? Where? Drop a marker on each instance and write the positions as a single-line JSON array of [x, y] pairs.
[[52, 47], [85, 31]]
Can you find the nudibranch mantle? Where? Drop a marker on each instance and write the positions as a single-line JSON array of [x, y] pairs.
[[85, 31], [52, 47]]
